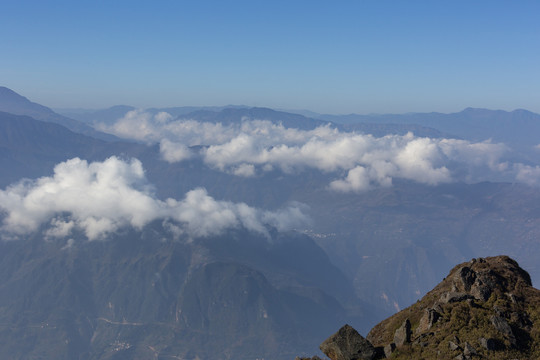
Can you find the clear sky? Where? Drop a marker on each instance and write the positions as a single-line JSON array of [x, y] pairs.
[[326, 56]]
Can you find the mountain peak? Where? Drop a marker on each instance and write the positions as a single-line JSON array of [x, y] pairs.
[[10, 97], [13, 103], [484, 308]]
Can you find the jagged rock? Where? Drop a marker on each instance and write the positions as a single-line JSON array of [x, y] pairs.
[[429, 318], [501, 325], [481, 292], [423, 339], [466, 277], [453, 346], [468, 350], [521, 319], [513, 298], [484, 284], [389, 349], [500, 304], [488, 344], [402, 335], [498, 311], [452, 297], [348, 344]]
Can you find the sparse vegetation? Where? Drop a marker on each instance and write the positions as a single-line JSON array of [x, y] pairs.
[[505, 326]]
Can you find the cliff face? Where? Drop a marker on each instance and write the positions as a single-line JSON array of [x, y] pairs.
[[485, 308]]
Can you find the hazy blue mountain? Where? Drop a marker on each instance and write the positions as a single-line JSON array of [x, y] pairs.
[[298, 121], [518, 128], [13, 103], [420, 230], [183, 110], [367, 254], [110, 115], [235, 113], [30, 148], [133, 297], [382, 129], [396, 242], [90, 117]]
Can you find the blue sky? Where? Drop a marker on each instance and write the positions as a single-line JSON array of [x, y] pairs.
[[331, 57]]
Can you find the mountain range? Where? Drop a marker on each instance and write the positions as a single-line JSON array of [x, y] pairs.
[[141, 291]]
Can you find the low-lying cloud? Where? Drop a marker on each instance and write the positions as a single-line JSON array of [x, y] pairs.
[[358, 161], [100, 197]]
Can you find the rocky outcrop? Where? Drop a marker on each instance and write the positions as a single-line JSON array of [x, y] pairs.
[[348, 344], [402, 335], [487, 303], [486, 308]]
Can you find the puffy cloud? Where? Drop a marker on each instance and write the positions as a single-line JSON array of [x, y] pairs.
[[357, 180], [359, 161], [101, 197], [368, 161], [420, 159], [144, 126], [528, 174], [174, 152], [245, 170]]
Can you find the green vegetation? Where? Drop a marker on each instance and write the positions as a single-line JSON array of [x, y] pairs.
[[505, 326]]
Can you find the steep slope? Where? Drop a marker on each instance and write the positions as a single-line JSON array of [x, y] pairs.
[[484, 308], [13, 103], [142, 295], [397, 242], [31, 148]]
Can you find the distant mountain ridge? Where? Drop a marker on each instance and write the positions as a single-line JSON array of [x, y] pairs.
[[11, 102], [518, 128], [30, 148], [367, 254], [234, 114]]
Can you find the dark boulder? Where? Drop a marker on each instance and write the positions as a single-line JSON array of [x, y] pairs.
[[348, 344], [402, 335], [502, 326]]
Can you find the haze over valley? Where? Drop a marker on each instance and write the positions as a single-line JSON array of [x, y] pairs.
[[238, 180], [161, 222]]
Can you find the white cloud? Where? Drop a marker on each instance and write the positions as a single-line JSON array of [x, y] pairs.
[[59, 228], [357, 180], [528, 174], [245, 170], [359, 161], [144, 126], [174, 152], [101, 197]]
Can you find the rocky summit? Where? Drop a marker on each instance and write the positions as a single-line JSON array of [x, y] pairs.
[[484, 309]]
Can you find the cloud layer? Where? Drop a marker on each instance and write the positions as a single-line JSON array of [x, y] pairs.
[[358, 161], [101, 197]]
